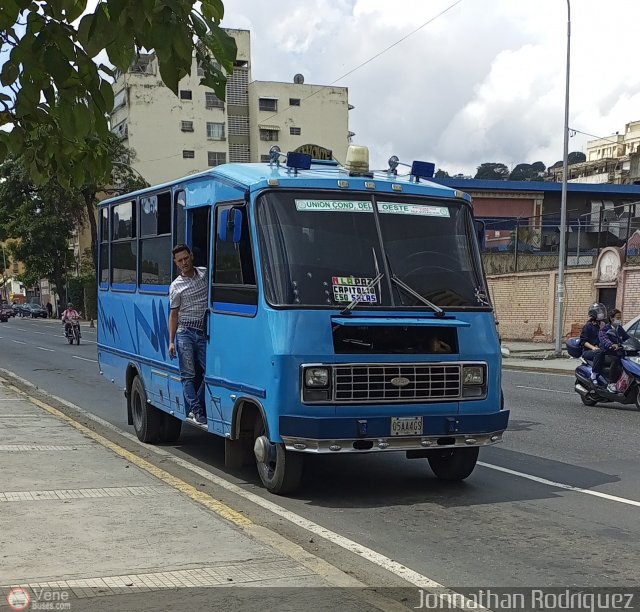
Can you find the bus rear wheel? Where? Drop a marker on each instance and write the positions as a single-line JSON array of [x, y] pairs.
[[147, 419], [453, 464], [280, 470]]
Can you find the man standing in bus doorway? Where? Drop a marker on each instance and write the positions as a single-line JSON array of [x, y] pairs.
[[188, 303]]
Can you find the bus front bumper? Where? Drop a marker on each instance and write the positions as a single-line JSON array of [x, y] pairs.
[[331, 435]]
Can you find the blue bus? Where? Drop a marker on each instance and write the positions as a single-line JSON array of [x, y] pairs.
[[348, 313]]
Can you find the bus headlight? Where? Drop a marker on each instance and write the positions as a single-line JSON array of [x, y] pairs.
[[474, 381], [472, 375], [316, 378]]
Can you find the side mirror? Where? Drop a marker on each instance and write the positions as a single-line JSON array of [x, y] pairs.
[[230, 229], [480, 233]]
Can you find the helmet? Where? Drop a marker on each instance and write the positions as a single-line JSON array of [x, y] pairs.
[[598, 312], [70, 305]]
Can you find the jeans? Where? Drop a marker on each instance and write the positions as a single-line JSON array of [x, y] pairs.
[[191, 346]]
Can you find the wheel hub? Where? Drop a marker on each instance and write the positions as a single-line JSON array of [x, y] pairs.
[[261, 449]]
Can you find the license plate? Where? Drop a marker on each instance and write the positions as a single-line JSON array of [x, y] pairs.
[[406, 426]]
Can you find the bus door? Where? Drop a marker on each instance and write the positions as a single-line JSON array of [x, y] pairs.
[[198, 238], [234, 351]]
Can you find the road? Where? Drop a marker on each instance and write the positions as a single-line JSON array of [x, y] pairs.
[[512, 523]]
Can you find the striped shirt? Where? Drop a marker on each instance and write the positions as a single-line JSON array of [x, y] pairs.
[[189, 296]]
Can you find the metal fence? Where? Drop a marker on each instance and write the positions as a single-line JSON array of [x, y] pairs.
[[527, 244]]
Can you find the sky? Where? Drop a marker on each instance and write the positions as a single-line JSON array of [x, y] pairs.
[[482, 82]]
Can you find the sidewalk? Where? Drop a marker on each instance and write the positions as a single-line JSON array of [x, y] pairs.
[[96, 526], [537, 356]]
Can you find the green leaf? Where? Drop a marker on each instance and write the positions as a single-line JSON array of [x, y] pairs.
[[169, 74], [213, 9], [8, 14], [57, 65], [10, 72], [107, 93], [76, 8]]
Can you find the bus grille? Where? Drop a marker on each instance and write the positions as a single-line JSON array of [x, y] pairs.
[[373, 382]]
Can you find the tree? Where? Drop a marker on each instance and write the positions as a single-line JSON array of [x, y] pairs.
[[492, 171], [50, 78], [442, 174], [527, 172], [576, 157], [39, 221], [123, 179]]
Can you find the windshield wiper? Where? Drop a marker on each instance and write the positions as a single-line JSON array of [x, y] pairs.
[[347, 310], [439, 312]]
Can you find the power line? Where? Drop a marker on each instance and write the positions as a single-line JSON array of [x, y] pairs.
[[594, 136], [377, 55], [368, 61]]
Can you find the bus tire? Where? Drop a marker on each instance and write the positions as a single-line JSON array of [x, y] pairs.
[[147, 419], [453, 464], [171, 429], [280, 470]]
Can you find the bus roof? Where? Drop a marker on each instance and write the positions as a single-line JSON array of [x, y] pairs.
[[255, 176]]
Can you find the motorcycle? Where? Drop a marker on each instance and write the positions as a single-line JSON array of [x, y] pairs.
[[624, 391], [72, 331]]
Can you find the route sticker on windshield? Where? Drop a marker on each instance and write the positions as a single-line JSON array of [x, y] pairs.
[[418, 210], [352, 288], [334, 206]]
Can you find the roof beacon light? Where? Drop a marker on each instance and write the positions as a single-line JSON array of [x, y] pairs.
[[274, 155], [420, 169], [298, 161], [357, 162]]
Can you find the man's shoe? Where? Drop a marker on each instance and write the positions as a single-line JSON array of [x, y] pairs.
[[200, 419], [191, 415], [611, 388]]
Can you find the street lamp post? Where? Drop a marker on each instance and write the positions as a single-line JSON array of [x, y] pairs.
[[563, 201], [4, 275]]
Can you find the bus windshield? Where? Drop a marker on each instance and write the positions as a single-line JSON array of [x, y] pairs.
[[326, 250]]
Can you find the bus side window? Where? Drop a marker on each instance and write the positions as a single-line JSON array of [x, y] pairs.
[[104, 248], [234, 277], [179, 217], [124, 257], [155, 242]]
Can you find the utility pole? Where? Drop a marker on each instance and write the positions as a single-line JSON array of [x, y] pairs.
[[4, 275], [563, 201]]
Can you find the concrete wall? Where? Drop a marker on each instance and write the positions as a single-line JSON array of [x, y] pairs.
[[525, 303]]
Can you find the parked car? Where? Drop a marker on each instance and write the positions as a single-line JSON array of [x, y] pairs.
[[34, 311], [18, 309], [8, 310]]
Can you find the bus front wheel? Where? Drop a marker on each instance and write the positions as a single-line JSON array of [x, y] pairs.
[[453, 463], [280, 470], [147, 420]]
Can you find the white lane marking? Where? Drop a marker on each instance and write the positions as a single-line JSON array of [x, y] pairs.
[[45, 349], [85, 359], [21, 329], [390, 565], [546, 373], [541, 389], [18, 341], [561, 485], [41, 333]]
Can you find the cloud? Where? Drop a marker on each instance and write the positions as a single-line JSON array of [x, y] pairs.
[[483, 82]]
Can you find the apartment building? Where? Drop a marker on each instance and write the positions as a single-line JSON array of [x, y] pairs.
[[174, 136], [614, 159]]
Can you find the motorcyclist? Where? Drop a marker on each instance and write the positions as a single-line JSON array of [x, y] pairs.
[[68, 316], [611, 337], [589, 336]]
